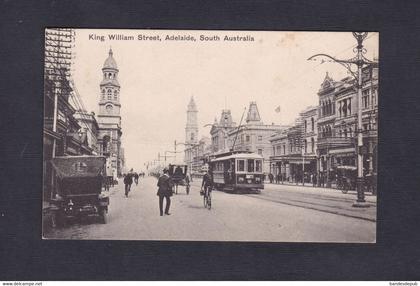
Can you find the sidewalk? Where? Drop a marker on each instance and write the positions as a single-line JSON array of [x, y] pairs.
[[325, 191]]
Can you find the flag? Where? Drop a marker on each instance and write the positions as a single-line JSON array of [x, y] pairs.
[[277, 109]]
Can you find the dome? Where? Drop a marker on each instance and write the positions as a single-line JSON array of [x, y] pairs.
[[110, 62]]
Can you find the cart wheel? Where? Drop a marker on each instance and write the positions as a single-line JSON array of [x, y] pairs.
[[104, 215]]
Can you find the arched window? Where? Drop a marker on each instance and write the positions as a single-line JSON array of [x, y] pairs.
[[305, 126], [313, 124], [110, 75], [350, 132], [306, 146], [103, 93], [109, 94]]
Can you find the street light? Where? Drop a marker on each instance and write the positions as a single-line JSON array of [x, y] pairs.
[[360, 61]]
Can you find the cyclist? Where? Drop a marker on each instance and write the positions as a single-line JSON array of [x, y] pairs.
[[207, 182]]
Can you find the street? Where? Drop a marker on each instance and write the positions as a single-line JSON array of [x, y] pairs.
[[280, 213]]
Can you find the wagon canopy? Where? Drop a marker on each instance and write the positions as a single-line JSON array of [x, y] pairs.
[[78, 166]]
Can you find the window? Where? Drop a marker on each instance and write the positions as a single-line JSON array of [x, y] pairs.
[[247, 138], [259, 138], [103, 94], [374, 102], [339, 108], [241, 165], [344, 108], [313, 124], [250, 165], [274, 151], [278, 150], [365, 98], [312, 145], [306, 146], [349, 106], [192, 136], [284, 149], [260, 151], [109, 94], [115, 95], [258, 165], [305, 126]]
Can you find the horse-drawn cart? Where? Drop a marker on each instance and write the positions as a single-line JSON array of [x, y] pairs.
[[179, 176]]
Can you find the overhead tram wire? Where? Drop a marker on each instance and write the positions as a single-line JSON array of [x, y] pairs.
[[290, 84]]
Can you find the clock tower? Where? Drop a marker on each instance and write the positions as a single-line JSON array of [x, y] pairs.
[[191, 129], [109, 118]]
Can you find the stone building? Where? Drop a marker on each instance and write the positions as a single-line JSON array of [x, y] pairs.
[[220, 132], [90, 129], [337, 125], [109, 118], [253, 135]]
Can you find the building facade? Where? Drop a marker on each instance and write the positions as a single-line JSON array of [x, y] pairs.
[[89, 128], [220, 132], [109, 118], [253, 136], [337, 126]]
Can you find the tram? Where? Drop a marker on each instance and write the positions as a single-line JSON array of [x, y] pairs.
[[237, 171]]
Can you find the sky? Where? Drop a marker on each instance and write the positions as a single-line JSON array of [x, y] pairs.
[[158, 78]]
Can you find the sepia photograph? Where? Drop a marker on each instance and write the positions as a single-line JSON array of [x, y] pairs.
[[210, 135]]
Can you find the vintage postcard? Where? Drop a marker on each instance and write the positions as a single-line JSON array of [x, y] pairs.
[[189, 135]]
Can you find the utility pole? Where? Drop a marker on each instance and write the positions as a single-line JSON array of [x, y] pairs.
[[175, 150], [360, 61]]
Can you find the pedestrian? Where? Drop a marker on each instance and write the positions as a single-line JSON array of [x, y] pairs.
[[136, 178], [164, 191], [128, 180], [270, 177], [314, 180]]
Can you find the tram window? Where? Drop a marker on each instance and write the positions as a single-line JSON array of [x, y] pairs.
[[241, 165], [258, 167], [250, 165]]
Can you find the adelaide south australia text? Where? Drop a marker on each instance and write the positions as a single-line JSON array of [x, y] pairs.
[[142, 37]]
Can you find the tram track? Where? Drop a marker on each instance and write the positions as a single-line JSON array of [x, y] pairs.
[[311, 206]]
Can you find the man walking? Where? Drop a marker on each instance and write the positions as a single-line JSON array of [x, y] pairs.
[[165, 191], [128, 180]]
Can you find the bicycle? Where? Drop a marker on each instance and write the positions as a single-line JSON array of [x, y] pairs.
[[207, 198]]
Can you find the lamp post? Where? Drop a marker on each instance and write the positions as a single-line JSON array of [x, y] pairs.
[[360, 61]]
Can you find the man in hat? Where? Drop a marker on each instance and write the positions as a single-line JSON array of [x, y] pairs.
[[165, 191]]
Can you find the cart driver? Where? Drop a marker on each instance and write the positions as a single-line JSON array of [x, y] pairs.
[[207, 182]]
